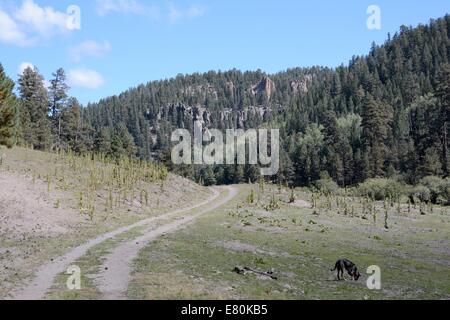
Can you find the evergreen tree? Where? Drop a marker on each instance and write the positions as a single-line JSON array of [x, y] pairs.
[[251, 173], [122, 142], [425, 133], [103, 141], [57, 93], [443, 93], [376, 120], [34, 110], [286, 173], [237, 174], [7, 109], [309, 155], [73, 134], [207, 176]]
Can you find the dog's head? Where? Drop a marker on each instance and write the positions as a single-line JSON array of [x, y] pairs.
[[356, 275]]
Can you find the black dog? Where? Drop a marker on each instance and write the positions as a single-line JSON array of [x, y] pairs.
[[351, 268]]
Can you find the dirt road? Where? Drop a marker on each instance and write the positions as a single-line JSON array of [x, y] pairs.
[[114, 287], [114, 277]]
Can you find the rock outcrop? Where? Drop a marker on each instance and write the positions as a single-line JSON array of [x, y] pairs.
[[301, 85], [265, 86]]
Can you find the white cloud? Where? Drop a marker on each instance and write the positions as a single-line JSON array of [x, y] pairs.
[[43, 20], [174, 13], [89, 48], [26, 24], [168, 11], [191, 12], [195, 11], [10, 31], [126, 6], [23, 66], [85, 78]]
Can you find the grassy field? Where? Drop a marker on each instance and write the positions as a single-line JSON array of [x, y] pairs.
[[301, 245]]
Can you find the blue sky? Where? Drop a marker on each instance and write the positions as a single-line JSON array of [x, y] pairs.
[[122, 43]]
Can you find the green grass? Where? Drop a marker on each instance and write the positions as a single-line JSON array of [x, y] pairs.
[[302, 248]]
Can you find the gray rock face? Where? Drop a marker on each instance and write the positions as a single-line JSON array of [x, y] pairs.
[[301, 85], [265, 86]]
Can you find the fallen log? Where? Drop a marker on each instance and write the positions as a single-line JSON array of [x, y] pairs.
[[244, 270]]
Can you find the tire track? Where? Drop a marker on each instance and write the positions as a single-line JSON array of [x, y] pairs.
[[45, 275], [115, 275]]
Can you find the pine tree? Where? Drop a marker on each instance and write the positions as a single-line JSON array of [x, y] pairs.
[[72, 131], [34, 110], [122, 142], [57, 93], [238, 174], [286, 173], [425, 122], [332, 141], [309, 154], [443, 93], [376, 120], [102, 141], [207, 176], [251, 173], [7, 109]]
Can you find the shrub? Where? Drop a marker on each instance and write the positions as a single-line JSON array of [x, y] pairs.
[[326, 186], [251, 197], [380, 189], [420, 193], [439, 189], [292, 196], [444, 194]]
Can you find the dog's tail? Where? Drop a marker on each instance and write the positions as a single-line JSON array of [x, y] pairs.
[[335, 267]]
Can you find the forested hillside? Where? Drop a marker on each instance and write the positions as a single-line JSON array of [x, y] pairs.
[[385, 114]]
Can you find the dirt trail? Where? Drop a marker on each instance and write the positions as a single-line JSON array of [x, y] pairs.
[[37, 287], [114, 278]]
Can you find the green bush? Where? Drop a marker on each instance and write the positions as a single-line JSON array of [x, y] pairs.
[[445, 192], [420, 193], [326, 186], [380, 189], [439, 189]]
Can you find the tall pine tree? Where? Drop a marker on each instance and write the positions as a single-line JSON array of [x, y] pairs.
[[34, 110], [7, 109], [57, 92], [376, 120], [443, 94]]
